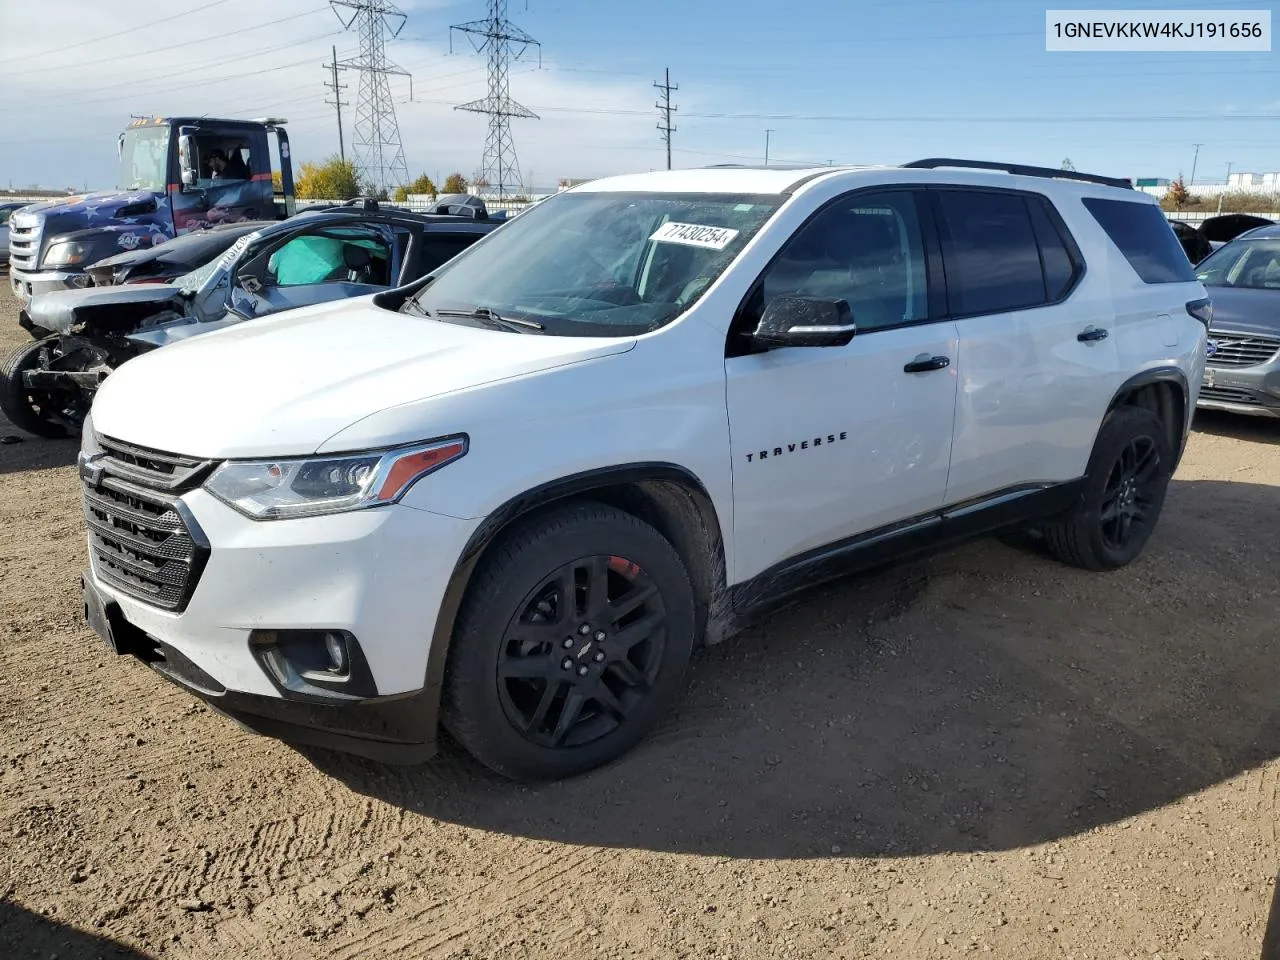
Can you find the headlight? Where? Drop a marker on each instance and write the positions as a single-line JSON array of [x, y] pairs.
[[305, 487], [66, 253], [89, 446]]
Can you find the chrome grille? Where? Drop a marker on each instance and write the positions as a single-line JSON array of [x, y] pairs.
[[1242, 350], [24, 241], [142, 539]]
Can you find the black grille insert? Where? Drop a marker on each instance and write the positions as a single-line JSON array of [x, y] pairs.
[[142, 539]]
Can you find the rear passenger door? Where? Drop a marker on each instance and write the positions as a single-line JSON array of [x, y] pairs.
[[1037, 361]]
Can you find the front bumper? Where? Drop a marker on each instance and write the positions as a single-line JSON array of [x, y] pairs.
[[378, 574], [1253, 391], [26, 286]]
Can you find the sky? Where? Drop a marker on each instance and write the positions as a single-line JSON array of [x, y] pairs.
[[843, 81]]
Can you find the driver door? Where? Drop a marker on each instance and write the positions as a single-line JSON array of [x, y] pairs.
[[324, 264], [831, 444]]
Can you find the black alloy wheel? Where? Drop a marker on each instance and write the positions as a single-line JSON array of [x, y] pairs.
[[1121, 494], [1129, 498], [573, 639], [582, 652]]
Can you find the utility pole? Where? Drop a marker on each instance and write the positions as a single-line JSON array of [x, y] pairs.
[[665, 109], [504, 42], [375, 137], [766, 146], [1193, 162], [1225, 187], [336, 102]]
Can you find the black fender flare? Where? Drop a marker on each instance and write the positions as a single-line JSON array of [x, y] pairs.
[[1162, 374], [512, 510]]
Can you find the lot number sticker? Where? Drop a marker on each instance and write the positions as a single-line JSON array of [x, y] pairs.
[[694, 235]]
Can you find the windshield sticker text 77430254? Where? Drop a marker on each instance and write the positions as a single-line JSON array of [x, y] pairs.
[[694, 235]]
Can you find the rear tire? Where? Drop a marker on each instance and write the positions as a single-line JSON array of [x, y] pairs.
[[574, 638], [20, 405], [1124, 491]]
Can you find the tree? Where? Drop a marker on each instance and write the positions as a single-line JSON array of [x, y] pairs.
[[334, 179], [455, 183], [1068, 165], [1177, 196], [423, 185]]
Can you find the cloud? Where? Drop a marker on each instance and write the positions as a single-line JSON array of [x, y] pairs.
[[70, 87]]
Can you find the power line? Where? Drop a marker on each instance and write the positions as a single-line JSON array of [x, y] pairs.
[[905, 118], [375, 139], [505, 42], [198, 8], [204, 41], [336, 102], [203, 65], [665, 109]]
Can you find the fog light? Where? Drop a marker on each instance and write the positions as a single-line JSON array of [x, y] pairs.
[[337, 648]]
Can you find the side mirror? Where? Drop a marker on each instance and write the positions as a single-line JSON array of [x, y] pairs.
[[186, 160], [805, 322]]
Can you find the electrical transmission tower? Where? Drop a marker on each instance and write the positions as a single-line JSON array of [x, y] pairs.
[[375, 138], [499, 168], [666, 110]]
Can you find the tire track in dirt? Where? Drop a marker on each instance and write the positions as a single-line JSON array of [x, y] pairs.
[[401, 935], [276, 853]]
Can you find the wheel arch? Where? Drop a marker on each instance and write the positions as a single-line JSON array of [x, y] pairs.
[[1165, 392], [667, 496]]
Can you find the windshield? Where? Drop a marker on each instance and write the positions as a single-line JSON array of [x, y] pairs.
[[144, 158], [1251, 264], [194, 281], [601, 264]]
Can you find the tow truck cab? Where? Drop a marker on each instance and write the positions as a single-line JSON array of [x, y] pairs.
[[166, 187]]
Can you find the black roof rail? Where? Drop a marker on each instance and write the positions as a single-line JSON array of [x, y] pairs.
[[1021, 170]]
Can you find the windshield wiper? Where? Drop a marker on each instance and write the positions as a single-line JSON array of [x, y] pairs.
[[493, 319], [413, 307]]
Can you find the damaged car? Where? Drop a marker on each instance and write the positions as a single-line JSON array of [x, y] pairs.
[[81, 336], [172, 259]]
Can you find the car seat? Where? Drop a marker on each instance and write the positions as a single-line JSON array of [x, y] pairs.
[[359, 263]]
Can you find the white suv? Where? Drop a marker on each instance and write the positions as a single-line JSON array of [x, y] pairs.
[[514, 496]]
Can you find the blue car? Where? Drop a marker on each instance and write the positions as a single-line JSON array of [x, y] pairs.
[[81, 336], [1242, 372]]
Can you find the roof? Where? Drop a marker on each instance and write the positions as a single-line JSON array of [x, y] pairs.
[[713, 180], [1268, 232], [783, 180], [340, 212]]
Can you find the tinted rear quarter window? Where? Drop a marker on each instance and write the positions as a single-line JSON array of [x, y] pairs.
[[1061, 266], [1144, 236], [990, 253]]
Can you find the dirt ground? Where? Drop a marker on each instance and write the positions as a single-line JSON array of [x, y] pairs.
[[982, 753]]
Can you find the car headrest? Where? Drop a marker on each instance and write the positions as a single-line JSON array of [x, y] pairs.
[[355, 257]]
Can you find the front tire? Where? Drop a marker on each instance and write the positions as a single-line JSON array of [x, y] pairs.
[[28, 410], [1124, 491], [574, 638]]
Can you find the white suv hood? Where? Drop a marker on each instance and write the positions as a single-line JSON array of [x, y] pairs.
[[283, 385]]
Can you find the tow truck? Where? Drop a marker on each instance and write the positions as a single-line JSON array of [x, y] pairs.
[[169, 184]]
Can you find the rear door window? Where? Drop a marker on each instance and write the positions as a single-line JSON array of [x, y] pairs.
[[1144, 236], [989, 251]]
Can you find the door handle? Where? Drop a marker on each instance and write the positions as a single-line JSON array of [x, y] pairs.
[[923, 364], [1092, 335]]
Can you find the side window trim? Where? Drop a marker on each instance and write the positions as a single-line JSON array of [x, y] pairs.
[[737, 344], [1068, 239]]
